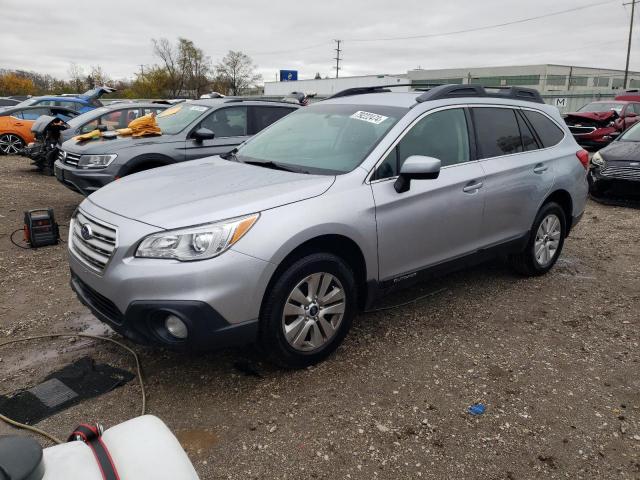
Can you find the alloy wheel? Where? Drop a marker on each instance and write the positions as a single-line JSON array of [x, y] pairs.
[[547, 240], [10, 144], [313, 312]]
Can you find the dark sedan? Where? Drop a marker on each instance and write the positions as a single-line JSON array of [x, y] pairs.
[[618, 163]]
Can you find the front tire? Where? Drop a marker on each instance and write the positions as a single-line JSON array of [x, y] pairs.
[[308, 310], [10, 144], [546, 240]]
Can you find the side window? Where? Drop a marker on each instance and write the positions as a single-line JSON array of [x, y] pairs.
[[497, 132], [90, 127], [634, 107], [34, 113], [17, 115], [48, 103], [67, 104], [548, 132], [443, 135], [227, 122], [265, 116], [528, 138]]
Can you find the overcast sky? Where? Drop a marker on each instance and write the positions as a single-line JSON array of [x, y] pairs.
[[47, 36]]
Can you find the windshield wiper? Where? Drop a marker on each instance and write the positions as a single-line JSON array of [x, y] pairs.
[[275, 166]]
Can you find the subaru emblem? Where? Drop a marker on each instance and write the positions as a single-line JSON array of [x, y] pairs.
[[86, 231]]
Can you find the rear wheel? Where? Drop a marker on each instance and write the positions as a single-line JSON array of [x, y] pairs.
[[546, 240], [308, 310], [10, 144]]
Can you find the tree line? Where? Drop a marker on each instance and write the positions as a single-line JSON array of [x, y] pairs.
[[182, 70]]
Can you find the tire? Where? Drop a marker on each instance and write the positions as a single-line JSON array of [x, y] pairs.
[[10, 144], [550, 237], [311, 335]]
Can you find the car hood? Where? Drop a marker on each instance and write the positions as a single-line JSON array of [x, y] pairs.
[[622, 151], [597, 116], [110, 145], [205, 190]]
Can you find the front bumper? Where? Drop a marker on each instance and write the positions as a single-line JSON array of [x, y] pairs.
[[82, 181], [218, 299]]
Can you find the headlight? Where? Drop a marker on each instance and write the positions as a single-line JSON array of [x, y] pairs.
[[196, 243], [597, 160], [96, 161]]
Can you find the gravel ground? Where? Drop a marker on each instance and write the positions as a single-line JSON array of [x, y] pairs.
[[555, 360]]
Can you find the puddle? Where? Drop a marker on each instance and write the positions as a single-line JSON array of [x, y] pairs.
[[195, 441]]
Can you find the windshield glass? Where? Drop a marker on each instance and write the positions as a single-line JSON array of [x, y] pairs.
[[176, 119], [80, 120], [602, 107], [631, 135], [28, 102], [329, 139]]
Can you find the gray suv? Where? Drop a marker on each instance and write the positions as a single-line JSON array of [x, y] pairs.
[[283, 240], [190, 130]]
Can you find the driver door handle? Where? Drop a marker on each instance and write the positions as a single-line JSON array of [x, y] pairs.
[[472, 187], [540, 168]]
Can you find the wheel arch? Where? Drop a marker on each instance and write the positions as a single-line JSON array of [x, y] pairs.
[[145, 162], [562, 198], [341, 246]]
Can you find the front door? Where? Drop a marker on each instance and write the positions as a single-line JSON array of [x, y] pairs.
[[436, 220]]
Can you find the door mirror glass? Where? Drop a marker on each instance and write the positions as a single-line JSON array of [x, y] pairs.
[[203, 134], [417, 167]]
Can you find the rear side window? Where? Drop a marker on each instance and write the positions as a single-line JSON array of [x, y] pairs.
[[497, 132], [265, 116], [34, 113], [548, 132], [528, 138]]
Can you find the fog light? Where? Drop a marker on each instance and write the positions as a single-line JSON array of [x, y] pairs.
[[176, 327]]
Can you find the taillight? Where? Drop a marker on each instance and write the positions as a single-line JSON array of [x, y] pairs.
[[583, 156]]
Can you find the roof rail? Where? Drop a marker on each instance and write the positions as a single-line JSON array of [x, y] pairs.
[[259, 99], [362, 90], [475, 90]]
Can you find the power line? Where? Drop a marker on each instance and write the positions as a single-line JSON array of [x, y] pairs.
[[486, 27], [337, 58]]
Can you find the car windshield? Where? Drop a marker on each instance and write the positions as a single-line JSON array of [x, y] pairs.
[[324, 139], [80, 120], [602, 107], [176, 119], [631, 135]]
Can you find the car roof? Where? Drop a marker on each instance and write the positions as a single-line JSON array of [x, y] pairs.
[[218, 102], [390, 99], [59, 98], [125, 105], [15, 108]]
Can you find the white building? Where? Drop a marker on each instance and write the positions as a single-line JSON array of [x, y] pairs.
[[328, 86]]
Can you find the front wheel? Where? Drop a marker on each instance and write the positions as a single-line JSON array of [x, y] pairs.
[[546, 240], [308, 310], [10, 144]]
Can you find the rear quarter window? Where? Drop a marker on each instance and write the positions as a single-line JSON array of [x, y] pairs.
[[548, 132]]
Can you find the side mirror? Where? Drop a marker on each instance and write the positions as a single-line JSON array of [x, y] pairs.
[[102, 128], [417, 167], [203, 134]]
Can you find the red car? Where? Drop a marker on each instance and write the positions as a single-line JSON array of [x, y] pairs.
[[598, 123]]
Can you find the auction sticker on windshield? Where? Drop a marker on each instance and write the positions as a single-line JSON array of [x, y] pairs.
[[198, 109], [369, 117]]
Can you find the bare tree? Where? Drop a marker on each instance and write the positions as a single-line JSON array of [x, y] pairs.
[[97, 77], [76, 75], [170, 58], [238, 70]]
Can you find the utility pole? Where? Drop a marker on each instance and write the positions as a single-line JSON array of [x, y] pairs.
[[141, 70], [626, 68], [337, 57]]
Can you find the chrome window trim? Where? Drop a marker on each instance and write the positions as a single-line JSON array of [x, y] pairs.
[[369, 181]]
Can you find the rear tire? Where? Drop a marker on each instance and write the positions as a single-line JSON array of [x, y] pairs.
[[308, 310], [545, 243]]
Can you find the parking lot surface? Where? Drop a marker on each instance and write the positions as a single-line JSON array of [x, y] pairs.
[[555, 359]]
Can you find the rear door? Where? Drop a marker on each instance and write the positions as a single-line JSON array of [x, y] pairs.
[[436, 220], [230, 126], [518, 168], [260, 117]]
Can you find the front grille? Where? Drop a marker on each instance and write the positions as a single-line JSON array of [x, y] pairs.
[[97, 246], [624, 173], [96, 302], [581, 130], [69, 158]]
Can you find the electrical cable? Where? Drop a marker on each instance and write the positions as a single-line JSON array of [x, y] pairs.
[[415, 300], [16, 243], [143, 393]]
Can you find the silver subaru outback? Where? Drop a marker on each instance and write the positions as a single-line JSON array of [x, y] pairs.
[[283, 240]]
